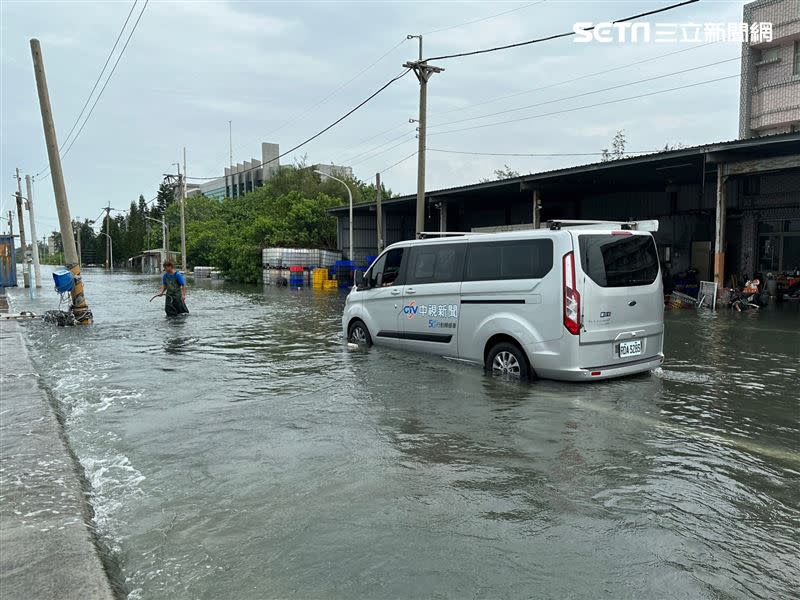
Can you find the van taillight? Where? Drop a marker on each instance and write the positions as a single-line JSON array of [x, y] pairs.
[[572, 299]]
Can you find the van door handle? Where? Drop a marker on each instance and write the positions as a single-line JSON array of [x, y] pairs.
[[395, 292], [411, 291]]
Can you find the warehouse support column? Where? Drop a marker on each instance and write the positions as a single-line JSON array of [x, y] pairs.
[[719, 229], [537, 207], [442, 215]]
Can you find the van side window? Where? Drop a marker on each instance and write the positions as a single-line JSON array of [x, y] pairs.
[[386, 269], [371, 278], [517, 259], [435, 263]]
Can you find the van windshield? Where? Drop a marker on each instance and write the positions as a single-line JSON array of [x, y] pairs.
[[619, 261]]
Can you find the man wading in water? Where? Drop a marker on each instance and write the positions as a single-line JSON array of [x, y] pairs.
[[173, 283]]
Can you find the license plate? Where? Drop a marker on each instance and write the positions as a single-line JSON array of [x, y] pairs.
[[632, 348]]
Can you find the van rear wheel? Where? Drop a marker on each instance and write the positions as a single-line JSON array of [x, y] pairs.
[[507, 360], [358, 333]]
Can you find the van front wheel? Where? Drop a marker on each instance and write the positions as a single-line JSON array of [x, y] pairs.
[[359, 334], [507, 360]]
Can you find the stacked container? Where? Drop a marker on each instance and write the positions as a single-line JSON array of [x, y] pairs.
[[296, 276], [344, 273]]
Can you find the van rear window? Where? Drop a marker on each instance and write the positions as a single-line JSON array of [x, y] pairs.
[[619, 261]]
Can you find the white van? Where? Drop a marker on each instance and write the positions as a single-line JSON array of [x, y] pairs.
[[577, 301]]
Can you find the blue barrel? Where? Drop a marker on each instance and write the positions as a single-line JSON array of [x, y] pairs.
[[370, 260], [63, 280]]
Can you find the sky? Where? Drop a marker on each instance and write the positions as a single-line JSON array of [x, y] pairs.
[[282, 71]]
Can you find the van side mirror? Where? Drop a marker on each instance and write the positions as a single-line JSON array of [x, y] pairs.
[[358, 279]]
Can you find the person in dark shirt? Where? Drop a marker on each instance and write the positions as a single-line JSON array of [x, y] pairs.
[[173, 284]]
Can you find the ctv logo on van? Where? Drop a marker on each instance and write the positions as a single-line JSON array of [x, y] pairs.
[[441, 311], [410, 309]]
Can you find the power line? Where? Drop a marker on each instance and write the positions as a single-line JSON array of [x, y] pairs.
[[402, 160], [574, 79], [534, 154], [99, 75], [320, 132], [500, 14], [111, 73], [557, 35], [613, 87], [366, 158], [337, 89], [403, 135], [558, 112]]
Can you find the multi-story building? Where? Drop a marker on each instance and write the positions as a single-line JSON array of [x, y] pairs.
[[245, 177], [335, 170], [770, 84]]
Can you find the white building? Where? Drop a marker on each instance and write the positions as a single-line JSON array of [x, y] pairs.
[[335, 170], [247, 176]]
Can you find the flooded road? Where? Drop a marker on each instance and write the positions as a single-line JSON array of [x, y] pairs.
[[244, 452]]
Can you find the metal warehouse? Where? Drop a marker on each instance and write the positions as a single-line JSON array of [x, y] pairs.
[[728, 208]]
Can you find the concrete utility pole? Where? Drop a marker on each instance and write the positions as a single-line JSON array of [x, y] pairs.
[[379, 211], [423, 71], [183, 213], [11, 223], [37, 270], [109, 258], [80, 308], [26, 279], [77, 242]]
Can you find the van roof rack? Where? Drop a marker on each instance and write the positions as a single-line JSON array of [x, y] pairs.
[[649, 225], [429, 234]]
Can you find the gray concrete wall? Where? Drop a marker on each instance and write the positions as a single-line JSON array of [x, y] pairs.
[[46, 548]]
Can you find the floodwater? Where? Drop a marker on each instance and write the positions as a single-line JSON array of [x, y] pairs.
[[245, 452]]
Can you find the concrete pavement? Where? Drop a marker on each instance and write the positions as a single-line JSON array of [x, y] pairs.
[[46, 548]]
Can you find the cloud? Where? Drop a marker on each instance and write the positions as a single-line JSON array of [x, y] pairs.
[[57, 40], [225, 18]]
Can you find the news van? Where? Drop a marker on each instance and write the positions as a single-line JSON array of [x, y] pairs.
[[576, 301]]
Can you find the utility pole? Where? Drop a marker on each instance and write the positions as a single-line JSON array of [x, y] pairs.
[[79, 308], [230, 146], [37, 271], [183, 213], [26, 279], [11, 223], [77, 226], [423, 71], [379, 211], [109, 264]]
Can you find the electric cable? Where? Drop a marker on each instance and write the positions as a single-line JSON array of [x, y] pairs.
[[321, 131], [613, 87], [558, 35], [558, 112], [111, 73]]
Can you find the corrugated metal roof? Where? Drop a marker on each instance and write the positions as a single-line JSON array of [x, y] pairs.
[[749, 143]]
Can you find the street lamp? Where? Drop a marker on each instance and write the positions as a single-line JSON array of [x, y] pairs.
[[111, 253], [350, 194], [164, 247]]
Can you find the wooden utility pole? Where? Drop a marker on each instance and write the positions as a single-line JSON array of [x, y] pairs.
[[79, 308], [379, 211], [183, 212], [26, 279], [37, 270], [423, 71]]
